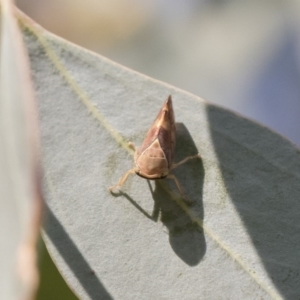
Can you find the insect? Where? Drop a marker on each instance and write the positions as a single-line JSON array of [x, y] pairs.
[[154, 159]]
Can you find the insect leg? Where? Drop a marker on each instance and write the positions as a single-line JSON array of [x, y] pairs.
[[131, 146], [184, 161], [122, 180], [172, 176]]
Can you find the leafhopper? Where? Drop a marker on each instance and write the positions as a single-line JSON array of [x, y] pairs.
[[154, 159]]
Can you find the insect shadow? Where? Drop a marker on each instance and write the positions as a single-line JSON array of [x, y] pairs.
[[186, 238]]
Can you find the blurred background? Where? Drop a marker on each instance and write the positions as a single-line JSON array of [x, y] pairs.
[[242, 54]]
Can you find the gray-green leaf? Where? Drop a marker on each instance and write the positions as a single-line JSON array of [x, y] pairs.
[[239, 241]]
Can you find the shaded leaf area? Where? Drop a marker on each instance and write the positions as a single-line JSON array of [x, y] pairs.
[[265, 191], [146, 242]]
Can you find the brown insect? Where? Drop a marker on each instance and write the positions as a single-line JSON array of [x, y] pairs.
[[154, 159]]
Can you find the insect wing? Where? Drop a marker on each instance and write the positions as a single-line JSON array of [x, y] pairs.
[[163, 129]]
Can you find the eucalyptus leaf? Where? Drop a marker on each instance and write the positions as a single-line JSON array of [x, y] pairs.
[[240, 239]]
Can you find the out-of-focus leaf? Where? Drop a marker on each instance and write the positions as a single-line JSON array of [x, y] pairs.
[[20, 199], [239, 241]]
